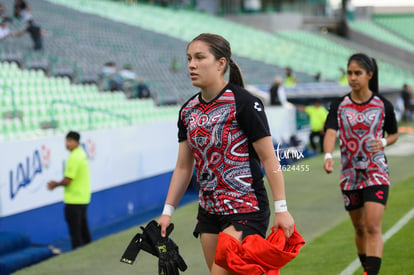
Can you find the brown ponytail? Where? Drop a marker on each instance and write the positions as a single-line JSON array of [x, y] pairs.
[[373, 82], [235, 75]]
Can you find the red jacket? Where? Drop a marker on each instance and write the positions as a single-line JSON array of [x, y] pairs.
[[255, 255]]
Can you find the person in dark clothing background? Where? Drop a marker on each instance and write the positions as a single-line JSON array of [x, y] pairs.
[[277, 92], [406, 95], [36, 34], [274, 97]]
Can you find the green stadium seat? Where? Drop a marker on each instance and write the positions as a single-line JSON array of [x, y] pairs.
[[400, 24], [383, 33], [303, 51]]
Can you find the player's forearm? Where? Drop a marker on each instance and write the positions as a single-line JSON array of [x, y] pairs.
[[391, 139], [329, 141], [179, 183], [182, 174], [275, 178], [265, 151]]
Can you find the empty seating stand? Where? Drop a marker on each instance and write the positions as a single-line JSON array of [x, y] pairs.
[[150, 50], [16, 252], [383, 34], [33, 105], [328, 56], [401, 24], [246, 41]]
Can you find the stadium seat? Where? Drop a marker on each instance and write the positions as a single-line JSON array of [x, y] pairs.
[[34, 92], [401, 24], [383, 33], [302, 51], [159, 35]]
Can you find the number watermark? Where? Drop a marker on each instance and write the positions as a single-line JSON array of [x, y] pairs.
[[293, 168]]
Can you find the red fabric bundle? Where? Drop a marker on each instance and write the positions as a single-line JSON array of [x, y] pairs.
[[255, 255]]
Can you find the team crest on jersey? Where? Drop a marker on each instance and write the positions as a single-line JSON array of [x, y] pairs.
[[360, 117], [347, 200], [203, 119]]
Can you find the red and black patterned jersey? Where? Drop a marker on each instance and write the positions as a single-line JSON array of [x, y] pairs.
[[220, 134], [357, 124]]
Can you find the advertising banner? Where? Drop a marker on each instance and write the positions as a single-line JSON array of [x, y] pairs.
[[116, 157]]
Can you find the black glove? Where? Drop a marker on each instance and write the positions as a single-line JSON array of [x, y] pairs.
[[169, 259], [141, 241], [138, 242]]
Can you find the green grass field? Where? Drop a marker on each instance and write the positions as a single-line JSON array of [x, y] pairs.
[[314, 201]]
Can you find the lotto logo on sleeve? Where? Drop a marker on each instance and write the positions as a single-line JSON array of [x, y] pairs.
[[258, 107]]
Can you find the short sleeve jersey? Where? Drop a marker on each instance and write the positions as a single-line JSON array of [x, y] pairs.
[[78, 191], [220, 134], [357, 124]]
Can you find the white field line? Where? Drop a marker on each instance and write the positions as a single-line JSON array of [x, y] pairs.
[[352, 267]]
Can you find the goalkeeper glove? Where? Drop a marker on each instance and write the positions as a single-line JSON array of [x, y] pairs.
[[169, 259], [141, 241], [138, 242]]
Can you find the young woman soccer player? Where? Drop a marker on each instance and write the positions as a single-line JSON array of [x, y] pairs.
[[362, 118], [223, 131]]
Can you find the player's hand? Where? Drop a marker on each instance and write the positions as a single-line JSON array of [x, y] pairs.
[[374, 145], [328, 165], [284, 221], [164, 222]]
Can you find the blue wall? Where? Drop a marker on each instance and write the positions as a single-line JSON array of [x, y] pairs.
[[45, 225]]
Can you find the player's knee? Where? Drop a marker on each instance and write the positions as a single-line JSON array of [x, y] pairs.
[[373, 229], [360, 229]]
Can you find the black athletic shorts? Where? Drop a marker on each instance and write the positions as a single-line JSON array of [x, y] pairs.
[[355, 199], [248, 223]]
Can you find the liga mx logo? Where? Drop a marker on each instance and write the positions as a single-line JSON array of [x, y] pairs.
[[45, 152]]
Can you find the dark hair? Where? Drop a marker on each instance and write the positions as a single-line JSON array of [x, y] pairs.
[[370, 65], [220, 47], [73, 135]]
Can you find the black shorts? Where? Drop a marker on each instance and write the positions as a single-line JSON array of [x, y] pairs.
[[355, 199], [248, 223]]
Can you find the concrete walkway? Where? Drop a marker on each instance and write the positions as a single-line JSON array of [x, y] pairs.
[[403, 147]]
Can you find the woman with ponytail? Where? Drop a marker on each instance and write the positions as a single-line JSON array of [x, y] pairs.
[[366, 124], [223, 132]]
